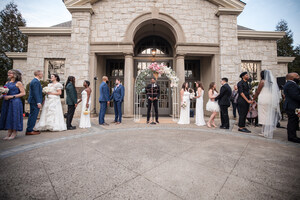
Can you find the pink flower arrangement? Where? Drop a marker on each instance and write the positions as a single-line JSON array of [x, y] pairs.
[[157, 68]]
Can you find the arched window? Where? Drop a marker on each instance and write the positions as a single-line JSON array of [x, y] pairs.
[[146, 45]]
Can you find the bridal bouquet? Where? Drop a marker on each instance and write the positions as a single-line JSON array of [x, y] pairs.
[[4, 90], [46, 90], [297, 112], [183, 105], [86, 112]]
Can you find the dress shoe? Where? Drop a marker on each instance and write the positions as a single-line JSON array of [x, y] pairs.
[[71, 128], [223, 127], [296, 140], [74, 127], [33, 133], [244, 130], [157, 121], [118, 123], [105, 124]]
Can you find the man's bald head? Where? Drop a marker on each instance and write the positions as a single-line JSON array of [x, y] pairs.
[[291, 76]]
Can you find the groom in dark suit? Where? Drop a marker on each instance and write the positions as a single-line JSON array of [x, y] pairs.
[[35, 100], [292, 101], [103, 99], [153, 92], [118, 96], [71, 101], [224, 102]]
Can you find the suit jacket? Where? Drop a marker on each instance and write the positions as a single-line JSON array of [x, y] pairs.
[[104, 92], [152, 92], [35, 92], [118, 93], [71, 94], [292, 96], [224, 97]]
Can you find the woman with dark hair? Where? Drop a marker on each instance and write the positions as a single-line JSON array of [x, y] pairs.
[[199, 118], [268, 107], [12, 108], [71, 101], [85, 121], [52, 118], [212, 105], [185, 104]]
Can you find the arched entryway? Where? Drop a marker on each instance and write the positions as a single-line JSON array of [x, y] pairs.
[[155, 38]]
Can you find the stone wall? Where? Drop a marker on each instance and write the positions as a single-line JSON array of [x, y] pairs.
[[42, 47], [197, 18], [264, 51]]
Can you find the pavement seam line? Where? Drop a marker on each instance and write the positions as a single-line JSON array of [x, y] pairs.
[[232, 170]]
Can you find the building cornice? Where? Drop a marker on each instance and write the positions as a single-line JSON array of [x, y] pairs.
[[16, 55], [266, 35], [281, 59], [228, 11], [87, 8], [40, 31]]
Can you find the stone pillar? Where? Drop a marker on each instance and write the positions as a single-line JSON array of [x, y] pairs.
[[229, 59], [180, 73], [129, 86]]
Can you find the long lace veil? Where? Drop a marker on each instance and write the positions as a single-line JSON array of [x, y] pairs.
[[273, 111]]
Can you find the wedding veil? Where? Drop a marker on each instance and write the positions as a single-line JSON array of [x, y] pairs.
[[273, 111]]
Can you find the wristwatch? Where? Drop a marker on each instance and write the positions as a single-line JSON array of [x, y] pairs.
[[14, 96]]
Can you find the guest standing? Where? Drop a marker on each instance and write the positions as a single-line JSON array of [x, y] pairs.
[[243, 101], [185, 104], [12, 108], [35, 100], [85, 121], [224, 102], [212, 105], [233, 100], [71, 101], [118, 97], [292, 101], [199, 119], [268, 103], [104, 100]]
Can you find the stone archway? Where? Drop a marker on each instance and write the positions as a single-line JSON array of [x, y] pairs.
[[160, 18]]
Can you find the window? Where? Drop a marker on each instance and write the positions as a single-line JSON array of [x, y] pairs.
[[55, 66], [145, 46], [252, 67]]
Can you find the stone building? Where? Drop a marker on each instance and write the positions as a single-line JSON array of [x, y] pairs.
[[199, 39]]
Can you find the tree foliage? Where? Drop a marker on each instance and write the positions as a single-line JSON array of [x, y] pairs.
[[285, 47], [11, 38]]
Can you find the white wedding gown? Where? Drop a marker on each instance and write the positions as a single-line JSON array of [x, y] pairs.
[[85, 121], [52, 118], [185, 112], [199, 119]]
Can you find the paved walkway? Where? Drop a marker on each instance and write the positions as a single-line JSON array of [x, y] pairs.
[[138, 161]]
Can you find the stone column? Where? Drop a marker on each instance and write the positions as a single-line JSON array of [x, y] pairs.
[[180, 73], [129, 86]]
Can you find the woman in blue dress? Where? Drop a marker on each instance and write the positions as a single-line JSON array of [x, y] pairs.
[[12, 108]]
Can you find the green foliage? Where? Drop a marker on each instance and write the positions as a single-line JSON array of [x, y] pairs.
[[43, 83], [11, 38], [285, 47]]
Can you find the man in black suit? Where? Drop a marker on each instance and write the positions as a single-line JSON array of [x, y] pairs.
[[224, 102], [153, 92], [292, 101]]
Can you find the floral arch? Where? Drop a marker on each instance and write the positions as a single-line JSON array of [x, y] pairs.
[[140, 85]]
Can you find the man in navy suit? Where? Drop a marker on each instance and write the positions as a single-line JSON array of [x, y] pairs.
[[35, 101], [103, 99], [292, 101], [224, 102], [118, 96]]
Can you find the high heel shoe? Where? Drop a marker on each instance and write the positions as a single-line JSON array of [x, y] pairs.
[[208, 125], [214, 125]]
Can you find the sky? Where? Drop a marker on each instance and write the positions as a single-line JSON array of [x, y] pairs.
[[260, 15]]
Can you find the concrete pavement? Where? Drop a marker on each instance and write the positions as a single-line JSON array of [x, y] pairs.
[[138, 161]]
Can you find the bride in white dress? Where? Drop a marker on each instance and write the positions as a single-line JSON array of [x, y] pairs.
[[212, 105], [185, 104], [52, 118], [85, 120], [199, 119]]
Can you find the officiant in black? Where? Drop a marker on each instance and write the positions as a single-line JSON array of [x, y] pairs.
[[153, 92]]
